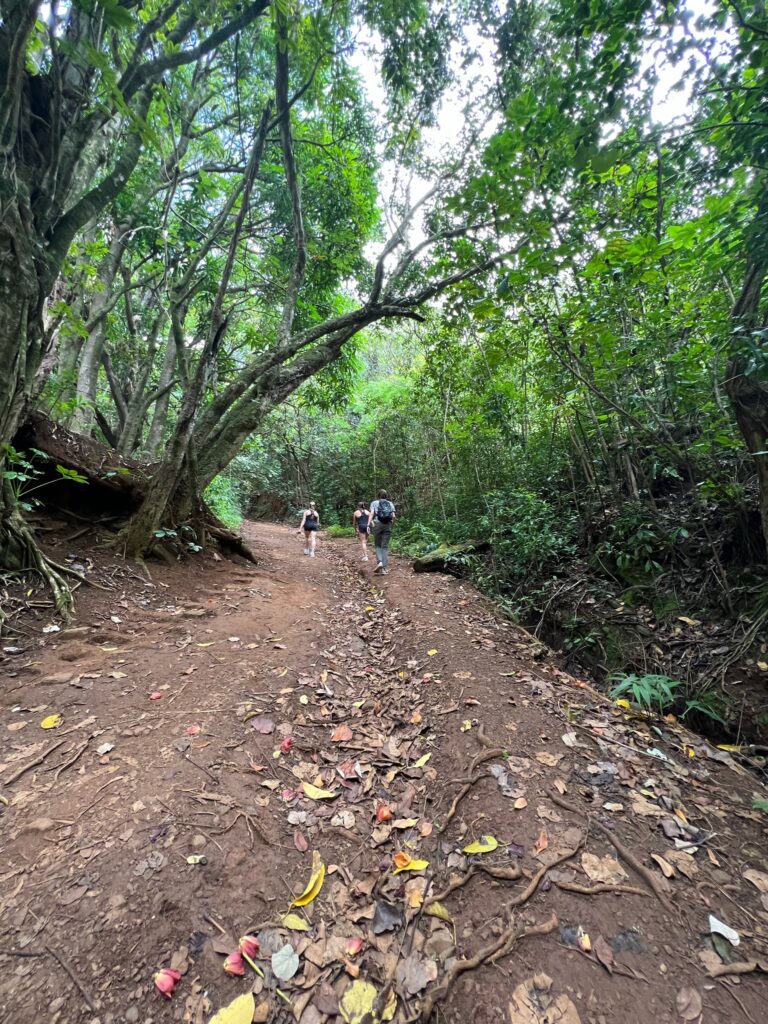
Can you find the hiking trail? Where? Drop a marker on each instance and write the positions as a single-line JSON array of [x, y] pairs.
[[226, 727]]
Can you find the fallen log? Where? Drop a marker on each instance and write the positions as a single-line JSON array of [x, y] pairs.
[[448, 557]]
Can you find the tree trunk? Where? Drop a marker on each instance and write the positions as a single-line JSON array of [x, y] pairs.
[[160, 415]]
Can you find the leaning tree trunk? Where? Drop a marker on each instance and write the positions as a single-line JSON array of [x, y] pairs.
[[747, 392]]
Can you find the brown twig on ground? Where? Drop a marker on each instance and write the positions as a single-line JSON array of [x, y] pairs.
[[742, 967], [251, 825], [32, 764], [623, 852], [93, 1007], [508, 874], [534, 883], [485, 755], [68, 764], [89, 808], [601, 887], [457, 800], [78, 576], [482, 739], [505, 941]]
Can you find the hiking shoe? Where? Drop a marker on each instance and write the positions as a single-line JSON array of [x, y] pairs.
[[364, 558], [306, 551], [384, 572], [311, 554], [378, 568]]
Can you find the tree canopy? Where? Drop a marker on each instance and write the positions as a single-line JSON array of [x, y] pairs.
[[215, 247]]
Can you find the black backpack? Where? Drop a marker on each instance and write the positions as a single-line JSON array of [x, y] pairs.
[[385, 511]]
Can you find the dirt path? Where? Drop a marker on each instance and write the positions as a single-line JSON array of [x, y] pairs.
[[397, 694]]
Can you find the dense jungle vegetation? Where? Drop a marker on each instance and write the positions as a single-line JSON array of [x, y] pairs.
[[475, 252]]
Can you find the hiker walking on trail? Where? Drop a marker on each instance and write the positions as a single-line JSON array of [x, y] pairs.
[[361, 520], [310, 523], [383, 512]]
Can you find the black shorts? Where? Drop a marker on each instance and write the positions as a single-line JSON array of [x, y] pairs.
[[310, 529], [362, 529]]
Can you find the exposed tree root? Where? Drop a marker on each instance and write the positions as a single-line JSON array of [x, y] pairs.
[[508, 874], [19, 550], [602, 887], [31, 764], [623, 852], [457, 800], [496, 949]]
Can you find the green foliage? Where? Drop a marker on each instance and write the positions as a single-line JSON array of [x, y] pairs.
[[224, 495], [334, 530], [650, 692]]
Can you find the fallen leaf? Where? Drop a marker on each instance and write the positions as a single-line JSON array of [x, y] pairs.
[[239, 1011], [532, 1003], [15, 726], [156, 695], [263, 1012], [542, 842], [405, 862], [386, 918], [758, 878], [285, 962], [602, 869], [51, 722], [414, 973], [315, 883], [613, 807], [684, 862], [687, 621], [341, 734], [666, 868], [520, 803], [422, 761], [688, 1003], [432, 652], [485, 844], [356, 1005], [262, 725], [295, 923], [437, 909], [384, 813], [604, 953], [466, 725], [300, 842], [551, 760], [317, 794]]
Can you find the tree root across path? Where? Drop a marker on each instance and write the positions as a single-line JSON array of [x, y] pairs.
[[488, 954], [623, 852]]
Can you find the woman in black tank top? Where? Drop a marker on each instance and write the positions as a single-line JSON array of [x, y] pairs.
[[310, 524], [361, 520]]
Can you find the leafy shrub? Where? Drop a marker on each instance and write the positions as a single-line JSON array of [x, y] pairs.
[[526, 532], [340, 531], [651, 692], [224, 497]]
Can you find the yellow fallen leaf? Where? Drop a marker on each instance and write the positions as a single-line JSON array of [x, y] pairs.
[[239, 1011], [370, 608], [763, 666], [294, 922], [485, 844], [315, 883], [520, 803], [623, 704], [303, 699], [404, 862], [433, 652], [51, 722], [584, 941], [317, 794], [422, 761], [732, 748], [356, 1005], [438, 910], [687, 621], [466, 725]]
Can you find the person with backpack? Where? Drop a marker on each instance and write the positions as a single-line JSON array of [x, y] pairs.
[[310, 524], [361, 520], [383, 512]]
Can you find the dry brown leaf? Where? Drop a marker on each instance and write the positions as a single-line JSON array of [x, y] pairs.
[[666, 868], [542, 842], [603, 869], [532, 1003], [684, 862], [342, 734], [645, 808], [604, 953], [550, 760], [758, 878], [688, 1003]]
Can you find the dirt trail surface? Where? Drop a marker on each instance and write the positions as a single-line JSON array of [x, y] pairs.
[[225, 728]]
